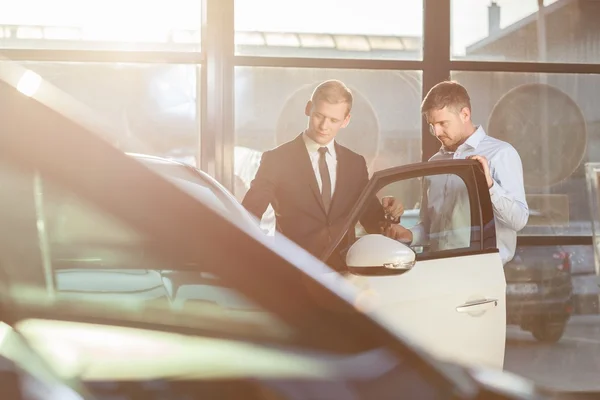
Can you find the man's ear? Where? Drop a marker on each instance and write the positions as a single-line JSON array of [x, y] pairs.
[[346, 120], [465, 114], [308, 108]]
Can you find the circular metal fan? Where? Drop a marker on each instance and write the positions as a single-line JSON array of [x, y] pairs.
[[546, 127]]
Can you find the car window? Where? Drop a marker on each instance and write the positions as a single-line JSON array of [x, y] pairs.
[[437, 212], [52, 239]]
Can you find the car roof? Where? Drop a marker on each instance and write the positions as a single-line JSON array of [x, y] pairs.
[[157, 161], [221, 201], [153, 159]]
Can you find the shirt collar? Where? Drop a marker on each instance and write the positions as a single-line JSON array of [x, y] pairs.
[[313, 147], [476, 138], [472, 141]]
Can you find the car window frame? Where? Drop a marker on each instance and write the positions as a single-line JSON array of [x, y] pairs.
[[472, 175]]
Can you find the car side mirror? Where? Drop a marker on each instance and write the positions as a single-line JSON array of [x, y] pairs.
[[378, 255]]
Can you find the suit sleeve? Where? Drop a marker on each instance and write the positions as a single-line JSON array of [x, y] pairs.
[[262, 188], [373, 215]]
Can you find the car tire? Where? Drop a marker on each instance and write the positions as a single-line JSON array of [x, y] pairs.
[[548, 332]]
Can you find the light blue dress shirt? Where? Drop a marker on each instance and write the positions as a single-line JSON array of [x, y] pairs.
[[445, 211]]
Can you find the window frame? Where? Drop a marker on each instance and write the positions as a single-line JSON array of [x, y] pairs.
[[483, 238], [215, 89]]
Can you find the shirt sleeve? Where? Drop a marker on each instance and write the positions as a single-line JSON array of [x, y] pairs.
[[507, 192]]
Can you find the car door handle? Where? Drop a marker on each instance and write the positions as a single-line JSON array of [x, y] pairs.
[[477, 305]]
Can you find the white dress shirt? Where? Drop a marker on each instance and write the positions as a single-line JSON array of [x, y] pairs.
[[313, 151], [445, 215]]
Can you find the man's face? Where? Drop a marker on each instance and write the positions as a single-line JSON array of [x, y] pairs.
[[450, 127], [325, 120]]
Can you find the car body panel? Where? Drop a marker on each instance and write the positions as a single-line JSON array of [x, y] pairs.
[[436, 301], [423, 303]]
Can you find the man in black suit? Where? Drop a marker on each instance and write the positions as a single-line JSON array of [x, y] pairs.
[[313, 182]]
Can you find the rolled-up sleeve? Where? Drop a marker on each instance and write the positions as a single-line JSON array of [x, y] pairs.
[[508, 193]]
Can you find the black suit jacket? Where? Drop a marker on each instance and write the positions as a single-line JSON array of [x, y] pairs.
[[286, 180]]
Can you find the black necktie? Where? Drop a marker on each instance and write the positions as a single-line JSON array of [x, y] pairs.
[[325, 178]]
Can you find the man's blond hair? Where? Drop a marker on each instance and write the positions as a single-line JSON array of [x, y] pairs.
[[333, 91]]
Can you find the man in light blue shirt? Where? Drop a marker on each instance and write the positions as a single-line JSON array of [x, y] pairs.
[[445, 217]]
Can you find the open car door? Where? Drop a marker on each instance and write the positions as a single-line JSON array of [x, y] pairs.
[[446, 289]]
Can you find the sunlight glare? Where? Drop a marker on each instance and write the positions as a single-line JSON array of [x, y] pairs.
[[29, 83]]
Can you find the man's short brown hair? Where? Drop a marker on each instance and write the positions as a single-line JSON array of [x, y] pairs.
[[446, 94], [333, 91]]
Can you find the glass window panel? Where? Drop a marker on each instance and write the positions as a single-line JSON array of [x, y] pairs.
[[437, 211], [510, 30], [379, 29], [147, 108], [552, 121], [101, 25], [552, 291]]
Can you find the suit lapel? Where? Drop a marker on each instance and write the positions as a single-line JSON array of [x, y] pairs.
[[306, 171]]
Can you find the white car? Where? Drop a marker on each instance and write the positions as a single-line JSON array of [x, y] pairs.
[[452, 302]]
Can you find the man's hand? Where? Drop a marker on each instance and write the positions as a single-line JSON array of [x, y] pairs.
[[392, 207], [398, 232], [486, 168]]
